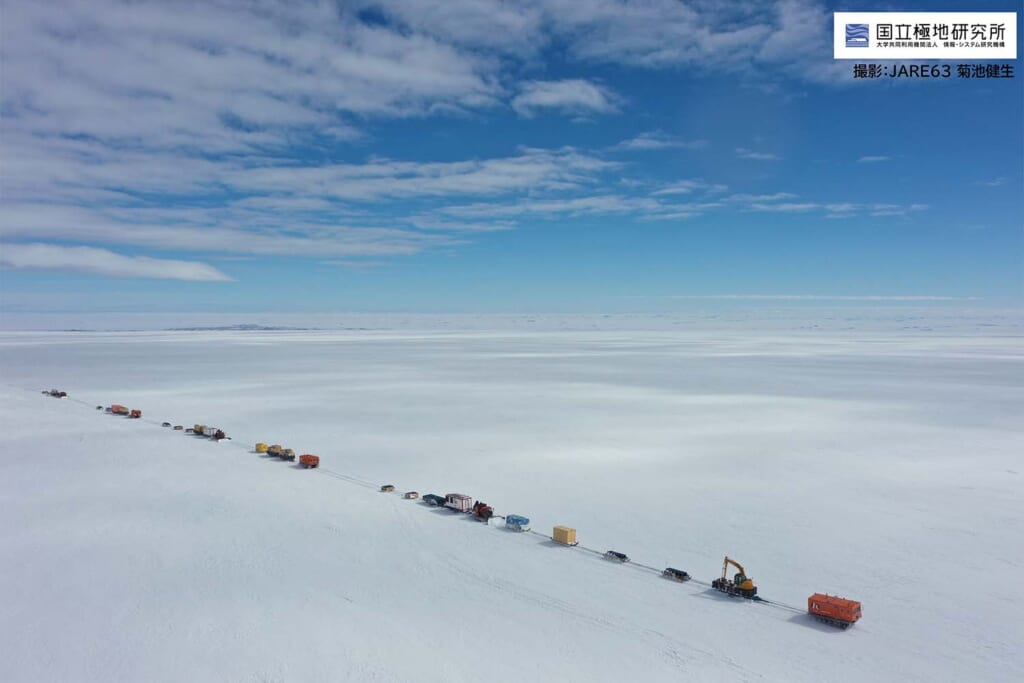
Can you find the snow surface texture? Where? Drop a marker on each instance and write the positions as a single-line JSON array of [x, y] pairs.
[[881, 466]]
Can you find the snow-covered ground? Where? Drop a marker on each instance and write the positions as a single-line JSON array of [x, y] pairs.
[[881, 465]]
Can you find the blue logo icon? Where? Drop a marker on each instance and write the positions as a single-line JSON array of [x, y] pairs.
[[856, 35]]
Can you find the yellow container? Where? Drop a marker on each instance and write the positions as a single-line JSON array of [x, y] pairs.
[[564, 534], [261, 447]]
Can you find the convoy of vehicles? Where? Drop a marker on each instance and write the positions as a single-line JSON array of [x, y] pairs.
[[829, 609]]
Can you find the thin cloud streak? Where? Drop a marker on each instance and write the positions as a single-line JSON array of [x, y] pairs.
[[93, 261], [995, 182], [822, 297], [744, 153], [689, 186], [657, 140]]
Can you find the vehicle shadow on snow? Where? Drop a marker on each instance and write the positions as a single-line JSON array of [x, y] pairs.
[[441, 511], [812, 623], [718, 596], [270, 458]]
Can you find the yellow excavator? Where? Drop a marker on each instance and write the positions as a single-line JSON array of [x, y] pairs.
[[741, 584]]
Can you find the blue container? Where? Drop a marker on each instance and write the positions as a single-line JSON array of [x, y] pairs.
[[517, 522]]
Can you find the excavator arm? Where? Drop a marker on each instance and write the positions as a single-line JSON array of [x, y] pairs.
[[741, 579], [728, 561]]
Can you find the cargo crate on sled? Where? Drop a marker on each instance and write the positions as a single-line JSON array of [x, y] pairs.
[[565, 535]]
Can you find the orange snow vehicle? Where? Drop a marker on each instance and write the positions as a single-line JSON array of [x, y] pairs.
[[833, 610], [308, 460]]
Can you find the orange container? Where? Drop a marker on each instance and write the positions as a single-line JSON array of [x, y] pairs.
[[565, 535], [832, 608], [117, 409], [307, 460]]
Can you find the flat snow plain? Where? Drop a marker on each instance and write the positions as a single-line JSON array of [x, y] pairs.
[[881, 465]]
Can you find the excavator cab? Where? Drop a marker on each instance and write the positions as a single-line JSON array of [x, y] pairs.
[[742, 581]]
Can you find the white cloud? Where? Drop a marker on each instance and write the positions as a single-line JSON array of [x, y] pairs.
[[646, 208], [77, 170], [995, 182], [872, 159], [234, 76], [838, 209], [893, 209], [174, 127], [203, 232], [656, 140], [247, 77], [682, 187], [744, 153], [266, 206], [379, 178], [791, 37], [689, 186], [348, 263], [652, 33], [774, 197], [573, 96], [511, 27], [842, 207], [103, 262], [433, 223], [670, 215], [824, 297], [785, 207]]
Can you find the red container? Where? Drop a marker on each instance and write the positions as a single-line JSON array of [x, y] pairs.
[[833, 609], [307, 460], [118, 409]]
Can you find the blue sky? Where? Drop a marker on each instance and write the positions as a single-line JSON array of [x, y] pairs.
[[480, 155]]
